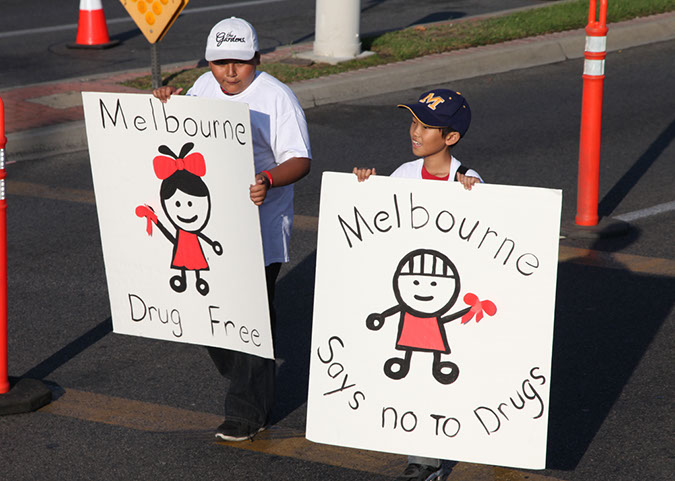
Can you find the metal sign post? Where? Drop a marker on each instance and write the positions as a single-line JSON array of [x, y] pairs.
[[155, 66], [154, 18]]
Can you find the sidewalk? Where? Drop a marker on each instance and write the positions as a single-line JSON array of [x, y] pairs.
[[47, 119]]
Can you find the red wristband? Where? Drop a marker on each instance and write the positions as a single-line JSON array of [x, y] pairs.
[[269, 176]]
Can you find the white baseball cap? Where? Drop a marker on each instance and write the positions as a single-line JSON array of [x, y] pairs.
[[232, 38]]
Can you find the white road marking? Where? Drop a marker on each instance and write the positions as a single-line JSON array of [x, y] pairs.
[[639, 214], [112, 21]]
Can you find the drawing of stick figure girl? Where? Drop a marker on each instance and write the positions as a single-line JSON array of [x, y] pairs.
[[187, 204], [426, 286]]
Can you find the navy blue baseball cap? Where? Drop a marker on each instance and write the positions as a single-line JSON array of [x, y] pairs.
[[441, 108]]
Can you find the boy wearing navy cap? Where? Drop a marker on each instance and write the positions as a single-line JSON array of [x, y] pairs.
[[440, 118], [282, 156]]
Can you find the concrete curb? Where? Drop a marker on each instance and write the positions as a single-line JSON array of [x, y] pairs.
[[416, 73], [46, 141], [474, 62]]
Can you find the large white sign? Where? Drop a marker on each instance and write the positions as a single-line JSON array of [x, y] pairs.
[[181, 237], [433, 319]]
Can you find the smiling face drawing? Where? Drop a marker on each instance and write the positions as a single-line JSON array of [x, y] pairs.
[[426, 283], [425, 294], [187, 212], [186, 201]]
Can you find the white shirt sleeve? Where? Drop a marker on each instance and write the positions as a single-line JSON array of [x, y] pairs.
[[292, 139]]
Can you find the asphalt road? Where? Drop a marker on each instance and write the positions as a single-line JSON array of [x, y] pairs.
[[132, 408], [34, 36]]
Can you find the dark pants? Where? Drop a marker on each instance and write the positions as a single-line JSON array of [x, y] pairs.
[[250, 396]]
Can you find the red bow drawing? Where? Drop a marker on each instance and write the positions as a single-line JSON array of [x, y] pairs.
[[165, 166], [147, 212], [478, 308]]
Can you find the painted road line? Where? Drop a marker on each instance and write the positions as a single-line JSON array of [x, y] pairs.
[[293, 444], [617, 260], [31, 189], [639, 214], [304, 222], [277, 440], [138, 415], [113, 21], [253, 3], [612, 260]]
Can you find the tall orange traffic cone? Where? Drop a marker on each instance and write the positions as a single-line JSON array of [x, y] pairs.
[[92, 31]]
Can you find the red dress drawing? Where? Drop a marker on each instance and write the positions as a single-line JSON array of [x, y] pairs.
[[188, 253]]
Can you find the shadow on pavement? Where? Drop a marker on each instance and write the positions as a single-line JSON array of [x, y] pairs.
[[438, 17], [294, 297], [69, 351], [606, 319], [631, 178], [126, 35]]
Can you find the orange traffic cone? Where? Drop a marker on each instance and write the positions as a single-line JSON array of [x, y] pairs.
[[92, 31]]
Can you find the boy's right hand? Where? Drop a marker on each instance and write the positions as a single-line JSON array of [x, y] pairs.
[[363, 174], [165, 92], [258, 191], [467, 181]]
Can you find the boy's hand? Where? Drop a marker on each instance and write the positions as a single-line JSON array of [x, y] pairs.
[[467, 181], [363, 174], [165, 92], [259, 189]]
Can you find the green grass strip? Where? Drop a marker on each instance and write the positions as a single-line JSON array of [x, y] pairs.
[[424, 40]]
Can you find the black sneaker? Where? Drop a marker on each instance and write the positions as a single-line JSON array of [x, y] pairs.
[[420, 472], [237, 431]]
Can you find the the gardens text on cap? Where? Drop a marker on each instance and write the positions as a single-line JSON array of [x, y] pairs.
[[232, 38]]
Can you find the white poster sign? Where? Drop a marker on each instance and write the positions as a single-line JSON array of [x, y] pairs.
[[433, 319], [181, 238]]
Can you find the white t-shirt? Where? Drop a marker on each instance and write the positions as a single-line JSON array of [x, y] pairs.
[[413, 170], [279, 132]]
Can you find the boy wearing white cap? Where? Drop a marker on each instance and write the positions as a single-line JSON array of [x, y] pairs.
[[440, 118], [282, 156]]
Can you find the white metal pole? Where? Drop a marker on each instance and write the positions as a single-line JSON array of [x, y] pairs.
[[337, 28]]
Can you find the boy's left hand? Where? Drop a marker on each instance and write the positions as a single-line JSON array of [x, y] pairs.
[[467, 181], [259, 189], [363, 173]]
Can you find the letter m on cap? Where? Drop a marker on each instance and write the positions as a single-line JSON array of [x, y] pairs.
[[432, 101]]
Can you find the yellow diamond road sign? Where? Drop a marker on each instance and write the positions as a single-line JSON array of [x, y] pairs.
[[154, 17]]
